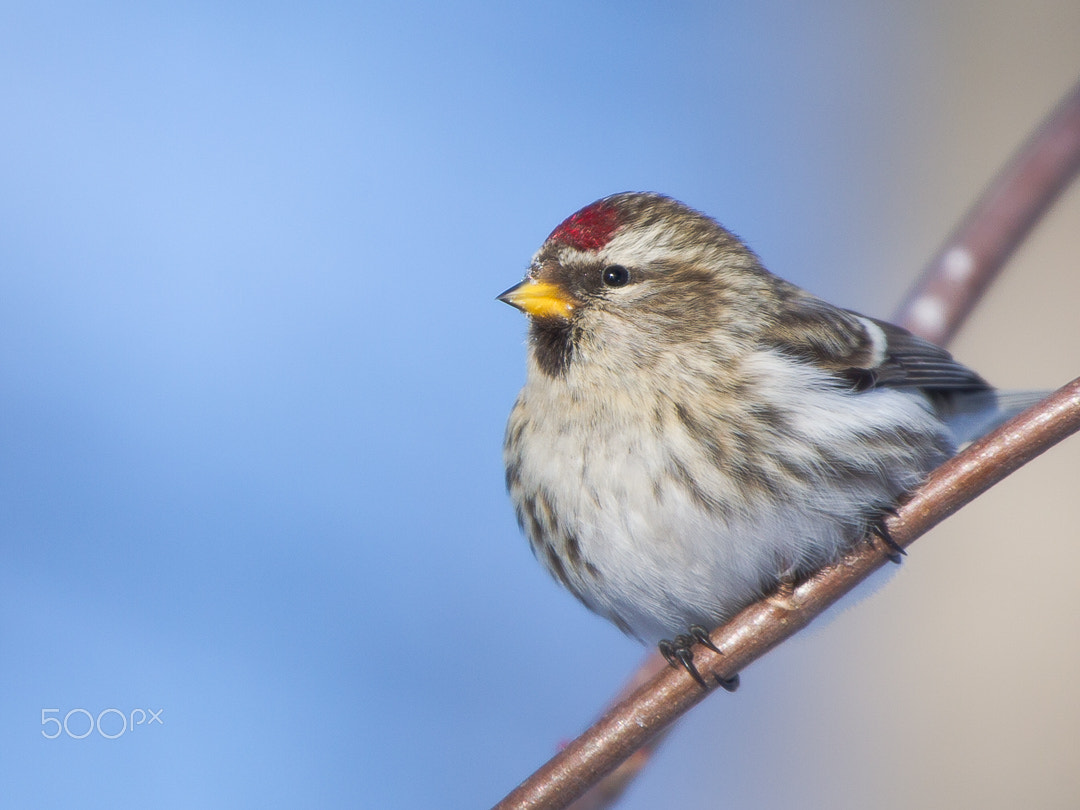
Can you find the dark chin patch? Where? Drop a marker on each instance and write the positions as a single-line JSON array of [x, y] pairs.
[[552, 345]]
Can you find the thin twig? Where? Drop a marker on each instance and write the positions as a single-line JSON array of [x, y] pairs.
[[948, 290], [958, 275], [607, 791]]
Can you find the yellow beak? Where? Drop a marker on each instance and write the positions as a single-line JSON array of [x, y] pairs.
[[540, 299]]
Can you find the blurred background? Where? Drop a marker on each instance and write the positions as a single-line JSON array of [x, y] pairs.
[[253, 383]]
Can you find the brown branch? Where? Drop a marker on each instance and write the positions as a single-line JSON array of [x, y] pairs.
[[974, 253], [948, 290], [607, 791], [763, 625]]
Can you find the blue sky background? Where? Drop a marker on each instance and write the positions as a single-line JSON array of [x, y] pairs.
[[253, 378]]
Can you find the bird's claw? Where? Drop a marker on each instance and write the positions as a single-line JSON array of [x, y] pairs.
[[701, 636], [730, 684], [895, 552], [678, 653]]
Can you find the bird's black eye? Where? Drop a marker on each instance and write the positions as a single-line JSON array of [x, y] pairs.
[[615, 275]]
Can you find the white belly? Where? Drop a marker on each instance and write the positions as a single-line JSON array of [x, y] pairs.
[[648, 525]]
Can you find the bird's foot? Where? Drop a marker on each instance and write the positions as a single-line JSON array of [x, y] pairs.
[[678, 653], [877, 528]]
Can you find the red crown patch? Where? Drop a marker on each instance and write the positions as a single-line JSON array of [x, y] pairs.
[[590, 228]]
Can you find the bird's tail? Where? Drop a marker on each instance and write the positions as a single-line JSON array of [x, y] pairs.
[[975, 414]]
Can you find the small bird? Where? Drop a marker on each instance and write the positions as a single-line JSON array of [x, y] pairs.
[[694, 431]]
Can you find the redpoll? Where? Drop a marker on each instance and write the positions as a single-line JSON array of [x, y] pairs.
[[694, 431]]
